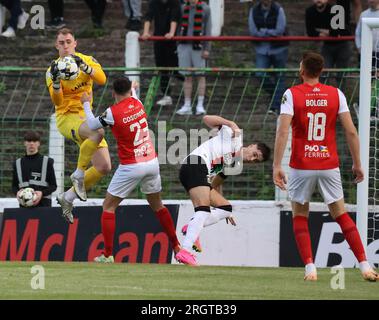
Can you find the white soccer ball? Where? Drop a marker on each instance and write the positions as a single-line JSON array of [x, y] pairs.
[[67, 67], [26, 197]]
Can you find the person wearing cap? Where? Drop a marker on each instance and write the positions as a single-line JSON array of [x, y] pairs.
[[34, 171]]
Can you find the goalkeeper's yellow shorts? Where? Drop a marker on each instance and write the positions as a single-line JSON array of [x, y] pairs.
[[68, 125]]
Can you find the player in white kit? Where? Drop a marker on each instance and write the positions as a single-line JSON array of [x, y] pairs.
[[204, 169]]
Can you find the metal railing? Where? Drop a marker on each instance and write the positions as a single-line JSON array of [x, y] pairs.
[[237, 94]]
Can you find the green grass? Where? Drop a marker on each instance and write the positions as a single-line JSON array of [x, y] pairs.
[[165, 282]]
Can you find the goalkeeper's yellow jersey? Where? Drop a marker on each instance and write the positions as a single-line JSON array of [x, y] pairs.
[[73, 89]]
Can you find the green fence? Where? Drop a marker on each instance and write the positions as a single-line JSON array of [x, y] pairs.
[[237, 94]]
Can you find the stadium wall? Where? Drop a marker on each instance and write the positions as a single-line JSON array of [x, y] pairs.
[[262, 238]]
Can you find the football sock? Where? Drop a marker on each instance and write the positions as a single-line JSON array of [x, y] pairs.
[[200, 100], [70, 195], [79, 173], [195, 226], [108, 226], [364, 266], [303, 239], [91, 177], [352, 236], [87, 149], [187, 102], [218, 214], [167, 224], [309, 268]]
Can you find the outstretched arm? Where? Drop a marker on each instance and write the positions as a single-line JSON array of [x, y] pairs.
[[217, 121], [99, 122]]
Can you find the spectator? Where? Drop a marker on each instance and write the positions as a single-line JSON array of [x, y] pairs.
[[132, 10], [166, 16], [97, 11], [56, 13], [196, 21], [18, 17], [267, 19], [371, 12], [318, 19], [35, 171], [357, 9]]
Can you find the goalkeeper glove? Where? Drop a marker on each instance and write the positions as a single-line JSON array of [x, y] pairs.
[[82, 65], [55, 76]]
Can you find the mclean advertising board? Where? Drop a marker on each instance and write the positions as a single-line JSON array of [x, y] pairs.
[[328, 244], [41, 234]]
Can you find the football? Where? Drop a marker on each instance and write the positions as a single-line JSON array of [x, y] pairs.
[[68, 69], [26, 197]]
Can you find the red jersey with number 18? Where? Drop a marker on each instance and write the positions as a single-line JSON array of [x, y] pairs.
[[131, 131], [315, 110]]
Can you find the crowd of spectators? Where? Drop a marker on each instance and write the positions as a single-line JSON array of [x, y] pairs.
[[266, 18], [168, 18]]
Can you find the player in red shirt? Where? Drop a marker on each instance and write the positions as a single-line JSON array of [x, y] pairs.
[[138, 162], [312, 109]]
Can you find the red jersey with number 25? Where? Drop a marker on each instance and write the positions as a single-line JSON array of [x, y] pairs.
[[131, 131], [315, 110]]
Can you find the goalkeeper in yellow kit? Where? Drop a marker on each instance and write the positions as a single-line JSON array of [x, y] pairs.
[[71, 120]]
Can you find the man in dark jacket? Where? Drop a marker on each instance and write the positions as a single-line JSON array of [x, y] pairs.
[[34, 171], [267, 19], [166, 15], [318, 20]]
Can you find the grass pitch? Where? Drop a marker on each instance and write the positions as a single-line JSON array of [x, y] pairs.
[[165, 282]]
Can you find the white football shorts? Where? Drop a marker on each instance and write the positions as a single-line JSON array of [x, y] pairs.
[[128, 176], [302, 183]]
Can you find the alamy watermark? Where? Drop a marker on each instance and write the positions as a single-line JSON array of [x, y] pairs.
[[38, 280], [182, 143], [338, 280], [37, 21], [338, 19]]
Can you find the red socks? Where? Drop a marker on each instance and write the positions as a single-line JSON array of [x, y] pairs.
[[167, 224], [303, 239], [348, 227], [352, 236], [108, 228]]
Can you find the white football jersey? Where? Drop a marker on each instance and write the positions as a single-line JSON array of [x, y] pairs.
[[220, 151]]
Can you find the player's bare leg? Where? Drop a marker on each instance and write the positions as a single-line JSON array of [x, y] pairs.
[[187, 107], [351, 234], [165, 219], [87, 150], [101, 160], [201, 94], [303, 239], [108, 226], [222, 210]]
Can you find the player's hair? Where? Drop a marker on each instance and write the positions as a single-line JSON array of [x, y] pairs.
[[122, 86], [313, 63], [65, 31], [265, 149], [32, 136]]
